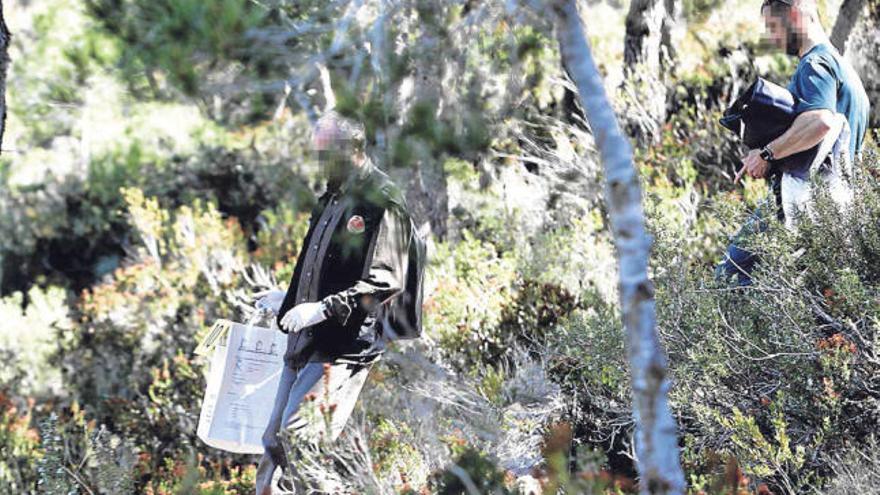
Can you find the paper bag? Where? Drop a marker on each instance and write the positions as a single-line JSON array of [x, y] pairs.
[[246, 365]]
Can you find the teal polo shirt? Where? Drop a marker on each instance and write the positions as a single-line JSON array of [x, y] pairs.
[[823, 79]]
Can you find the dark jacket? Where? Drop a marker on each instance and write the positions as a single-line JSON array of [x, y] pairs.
[[763, 113], [353, 258]]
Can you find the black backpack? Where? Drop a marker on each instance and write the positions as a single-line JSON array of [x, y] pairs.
[[763, 113], [403, 315]]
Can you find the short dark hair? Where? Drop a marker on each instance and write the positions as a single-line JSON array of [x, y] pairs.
[[345, 127], [770, 3]]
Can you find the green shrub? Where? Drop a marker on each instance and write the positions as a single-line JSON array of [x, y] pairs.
[[470, 284], [175, 36], [777, 373], [128, 359], [72, 232], [18, 438]]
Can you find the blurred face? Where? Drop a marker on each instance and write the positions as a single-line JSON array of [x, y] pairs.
[[334, 154], [784, 29]]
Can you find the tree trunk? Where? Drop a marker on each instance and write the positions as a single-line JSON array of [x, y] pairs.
[[4, 64], [668, 55], [423, 179], [647, 55], [863, 45], [644, 34], [847, 17], [656, 439]]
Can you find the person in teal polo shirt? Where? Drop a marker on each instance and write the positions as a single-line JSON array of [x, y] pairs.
[[823, 85]]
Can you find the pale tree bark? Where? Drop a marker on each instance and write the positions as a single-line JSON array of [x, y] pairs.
[[428, 188], [648, 55], [423, 179], [863, 44], [656, 438], [644, 34], [668, 55], [849, 13], [4, 64]]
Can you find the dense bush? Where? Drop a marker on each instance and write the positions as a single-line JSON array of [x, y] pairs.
[[132, 220], [783, 397], [74, 231], [126, 360], [781, 375], [172, 40]]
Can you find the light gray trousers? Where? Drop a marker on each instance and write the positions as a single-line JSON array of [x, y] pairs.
[[335, 386]]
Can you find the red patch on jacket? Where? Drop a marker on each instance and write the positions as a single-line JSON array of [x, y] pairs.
[[356, 224]]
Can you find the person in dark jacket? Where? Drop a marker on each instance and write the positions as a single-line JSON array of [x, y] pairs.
[[353, 260], [828, 92]]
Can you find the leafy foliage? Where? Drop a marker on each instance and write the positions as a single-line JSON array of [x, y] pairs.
[[162, 174]]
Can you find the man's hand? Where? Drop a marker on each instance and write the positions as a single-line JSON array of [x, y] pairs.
[[302, 316], [753, 165], [269, 300]]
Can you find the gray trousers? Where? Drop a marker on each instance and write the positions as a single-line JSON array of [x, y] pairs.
[[330, 386]]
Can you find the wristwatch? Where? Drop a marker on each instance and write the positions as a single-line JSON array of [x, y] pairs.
[[326, 309], [767, 154]]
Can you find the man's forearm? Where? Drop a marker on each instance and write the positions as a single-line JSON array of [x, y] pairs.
[[807, 130]]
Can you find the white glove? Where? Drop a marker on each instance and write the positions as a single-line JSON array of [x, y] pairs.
[[303, 315], [269, 300]]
